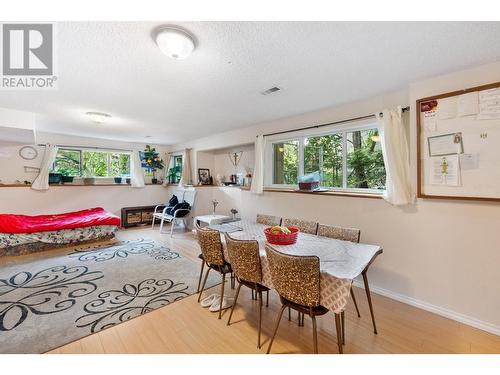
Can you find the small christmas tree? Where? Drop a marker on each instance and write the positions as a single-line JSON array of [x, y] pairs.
[[152, 160]]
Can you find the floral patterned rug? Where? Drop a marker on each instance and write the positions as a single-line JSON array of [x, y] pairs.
[[53, 300]]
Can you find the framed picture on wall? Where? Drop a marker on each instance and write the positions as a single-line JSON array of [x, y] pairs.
[[204, 176]]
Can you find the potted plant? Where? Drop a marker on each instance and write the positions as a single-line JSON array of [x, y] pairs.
[[152, 160], [55, 178], [88, 179], [66, 176], [128, 180], [118, 180]]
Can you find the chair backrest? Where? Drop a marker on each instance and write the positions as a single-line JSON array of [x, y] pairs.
[[268, 220], [296, 278], [179, 194], [190, 196], [304, 226], [211, 245], [339, 233], [244, 258]]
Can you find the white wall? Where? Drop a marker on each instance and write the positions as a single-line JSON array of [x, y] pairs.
[[12, 165], [16, 127], [224, 166], [443, 256], [24, 200]]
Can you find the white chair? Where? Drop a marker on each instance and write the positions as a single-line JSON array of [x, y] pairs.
[[182, 196]]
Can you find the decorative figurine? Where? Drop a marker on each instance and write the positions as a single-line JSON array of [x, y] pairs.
[[215, 202]]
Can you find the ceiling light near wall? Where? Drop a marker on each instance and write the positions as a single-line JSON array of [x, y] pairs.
[[175, 42], [98, 117]]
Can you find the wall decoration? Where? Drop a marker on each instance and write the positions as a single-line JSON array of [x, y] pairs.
[[28, 152], [28, 169], [204, 176], [457, 150]]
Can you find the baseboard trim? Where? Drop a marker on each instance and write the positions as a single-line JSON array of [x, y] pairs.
[[465, 319]]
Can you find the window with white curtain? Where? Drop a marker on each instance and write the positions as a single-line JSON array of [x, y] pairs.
[[348, 158], [81, 162]]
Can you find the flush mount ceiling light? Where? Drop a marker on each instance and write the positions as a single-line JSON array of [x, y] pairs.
[[98, 117], [174, 42]]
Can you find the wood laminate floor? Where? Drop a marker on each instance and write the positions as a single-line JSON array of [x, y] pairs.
[[185, 327]]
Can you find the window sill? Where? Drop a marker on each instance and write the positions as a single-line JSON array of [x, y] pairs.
[[330, 193], [74, 185]]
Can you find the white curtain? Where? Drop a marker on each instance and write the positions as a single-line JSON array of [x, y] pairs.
[[258, 171], [41, 182], [396, 157], [136, 173], [168, 156], [186, 168]]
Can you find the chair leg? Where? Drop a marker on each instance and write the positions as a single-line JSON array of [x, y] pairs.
[[315, 335], [289, 314], [153, 223], [368, 296], [355, 303], [201, 275], [338, 326], [234, 304], [342, 317], [260, 319], [172, 228], [222, 294], [233, 278], [267, 298], [203, 285], [161, 225], [276, 328]]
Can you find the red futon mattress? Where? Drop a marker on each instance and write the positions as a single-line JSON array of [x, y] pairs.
[[10, 223]]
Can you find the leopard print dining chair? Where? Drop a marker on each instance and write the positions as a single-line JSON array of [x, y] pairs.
[[268, 220], [304, 226], [351, 235], [245, 262], [213, 256], [297, 281], [339, 233]]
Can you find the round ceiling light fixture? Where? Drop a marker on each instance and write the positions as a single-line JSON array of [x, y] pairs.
[[174, 42], [98, 117]]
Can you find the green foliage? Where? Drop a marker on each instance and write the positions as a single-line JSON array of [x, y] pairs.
[[95, 164], [324, 154], [119, 164], [92, 163], [68, 162], [365, 163], [152, 158], [285, 163], [174, 173]]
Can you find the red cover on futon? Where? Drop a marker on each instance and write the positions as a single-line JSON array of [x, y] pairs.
[[10, 223]]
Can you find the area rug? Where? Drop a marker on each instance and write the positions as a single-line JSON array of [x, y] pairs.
[[53, 300]]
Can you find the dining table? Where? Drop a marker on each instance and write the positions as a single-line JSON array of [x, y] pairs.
[[340, 261]]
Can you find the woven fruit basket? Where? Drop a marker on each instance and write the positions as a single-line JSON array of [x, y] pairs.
[[282, 238]]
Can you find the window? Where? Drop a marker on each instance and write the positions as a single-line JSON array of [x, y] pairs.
[[175, 169], [92, 163], [346, 159], [286, 158]]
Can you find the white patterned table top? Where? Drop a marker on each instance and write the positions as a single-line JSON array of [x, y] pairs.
[[340, 261]]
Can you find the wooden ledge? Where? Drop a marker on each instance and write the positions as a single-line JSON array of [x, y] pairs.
[[330, 193], [73, 185]]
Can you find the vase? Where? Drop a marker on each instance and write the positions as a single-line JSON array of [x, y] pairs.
[[154, 181], [67, 179]]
